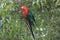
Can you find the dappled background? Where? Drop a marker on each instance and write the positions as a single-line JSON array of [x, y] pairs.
[[13, 26]]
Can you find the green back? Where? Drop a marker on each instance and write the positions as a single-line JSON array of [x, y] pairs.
[[30, 18]]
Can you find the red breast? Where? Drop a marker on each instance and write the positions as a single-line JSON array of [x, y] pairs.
[[24, 11]]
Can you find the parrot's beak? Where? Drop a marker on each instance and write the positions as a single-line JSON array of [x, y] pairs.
[[21, 7]]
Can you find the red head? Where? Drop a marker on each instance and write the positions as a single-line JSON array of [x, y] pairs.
[[24, 10]]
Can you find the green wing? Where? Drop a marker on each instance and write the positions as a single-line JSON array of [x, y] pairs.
[[30, 18]]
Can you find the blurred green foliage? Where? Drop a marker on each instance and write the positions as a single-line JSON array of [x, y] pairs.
[[13, 26]]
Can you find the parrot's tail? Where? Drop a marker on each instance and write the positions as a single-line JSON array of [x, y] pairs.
[[30, 27]]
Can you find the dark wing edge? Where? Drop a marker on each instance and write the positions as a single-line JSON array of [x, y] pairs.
[[33, 18]]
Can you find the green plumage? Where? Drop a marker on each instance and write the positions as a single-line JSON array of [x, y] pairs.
[[31, 21], [30, 18]]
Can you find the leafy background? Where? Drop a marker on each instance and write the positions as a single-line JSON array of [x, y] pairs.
[[13, 26]]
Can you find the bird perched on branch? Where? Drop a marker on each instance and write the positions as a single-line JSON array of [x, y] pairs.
[[29, 18]]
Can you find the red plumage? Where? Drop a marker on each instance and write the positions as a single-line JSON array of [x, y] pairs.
[[29, 18], [24, 10]]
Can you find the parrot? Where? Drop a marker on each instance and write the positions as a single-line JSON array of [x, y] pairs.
[[29, 18]]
